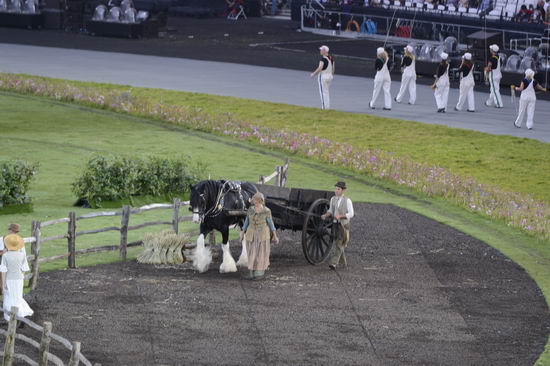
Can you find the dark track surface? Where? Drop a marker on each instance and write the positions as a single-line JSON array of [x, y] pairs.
[[255, 41], [416, 292]]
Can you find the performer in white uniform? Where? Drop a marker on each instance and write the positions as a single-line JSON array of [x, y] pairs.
[[382, 80], [493, 74], [408, 79], [467, 84], [14, 264], [441, 84], [325, 70], [527, 99]]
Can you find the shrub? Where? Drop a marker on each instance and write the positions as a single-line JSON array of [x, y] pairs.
[[15, 179], [115, 178]]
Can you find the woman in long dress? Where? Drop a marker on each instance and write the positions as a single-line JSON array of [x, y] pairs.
[[14, 264], [259, 231]]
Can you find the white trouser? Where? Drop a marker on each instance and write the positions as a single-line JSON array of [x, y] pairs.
[[441, 94], [324, 85], [384, 84], [466, 91], [407, 82], [529, 106], [494, 97]]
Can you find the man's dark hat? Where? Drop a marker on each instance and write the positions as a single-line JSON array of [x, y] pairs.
[[341, 185]]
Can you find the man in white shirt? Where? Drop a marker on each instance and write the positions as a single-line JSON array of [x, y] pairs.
[[341, 211]]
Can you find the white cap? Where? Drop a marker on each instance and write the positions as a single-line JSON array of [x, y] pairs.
[[409, 49], [444, 55], [324, 48], [467, 56], [380, 50], [494, 48], [529, 73]]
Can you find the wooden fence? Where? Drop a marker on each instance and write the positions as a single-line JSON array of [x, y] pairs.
[[43, 347], [36, 240]]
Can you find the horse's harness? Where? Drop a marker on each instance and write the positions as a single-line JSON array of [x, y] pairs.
[[217, 208]]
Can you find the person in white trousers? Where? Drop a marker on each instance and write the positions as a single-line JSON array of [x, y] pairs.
[[13, 265], [493, 75], [467, 84], [527, 99], [441, 84], [325, 70], [382, 79], [408, 78]]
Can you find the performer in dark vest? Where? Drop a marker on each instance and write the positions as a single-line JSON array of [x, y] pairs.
[[493, 75], [527, 99], [341, 212], [325, 70], [441, 84], [382, 79], [467, 84], [408, 79]]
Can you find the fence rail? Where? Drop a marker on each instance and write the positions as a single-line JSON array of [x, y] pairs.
[[279, 176], [36, 240], [44, 355]]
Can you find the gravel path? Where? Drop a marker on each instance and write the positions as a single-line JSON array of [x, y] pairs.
[[416, 292]]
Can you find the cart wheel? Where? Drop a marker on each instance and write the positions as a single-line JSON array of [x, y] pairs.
[[317, 234]]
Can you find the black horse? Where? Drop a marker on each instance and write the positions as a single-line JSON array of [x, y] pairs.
[[210, 201]]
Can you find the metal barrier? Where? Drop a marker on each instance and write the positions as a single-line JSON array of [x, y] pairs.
[[330, 22]]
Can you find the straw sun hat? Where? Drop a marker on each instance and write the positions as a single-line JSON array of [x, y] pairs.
[[13, 242]]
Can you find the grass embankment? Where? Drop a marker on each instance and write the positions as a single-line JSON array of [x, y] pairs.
[[512, 163], [61, 137]]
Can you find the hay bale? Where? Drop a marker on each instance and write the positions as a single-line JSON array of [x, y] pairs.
[[163, 248]]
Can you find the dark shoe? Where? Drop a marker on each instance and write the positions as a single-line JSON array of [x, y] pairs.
[[371, 106], [469, 110], [456, 109], [332, 266], [529, 128], [441, 110], [387, 109], [249, 275], [516, 125], [411, 103], [395, 99]]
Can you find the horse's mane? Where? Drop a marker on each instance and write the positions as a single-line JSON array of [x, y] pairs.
[[211, 188]]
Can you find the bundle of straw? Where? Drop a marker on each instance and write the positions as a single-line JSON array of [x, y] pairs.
[[165, 247]]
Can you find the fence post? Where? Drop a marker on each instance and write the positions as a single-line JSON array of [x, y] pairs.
[[279, 169], [212, 238], [284, 173], [44, 344], [124, 231], [261, 180], [35, 250], [74, 354], [9, 346], [71, 240], [175, 215]]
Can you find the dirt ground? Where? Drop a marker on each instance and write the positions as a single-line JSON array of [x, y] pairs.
[[415, 292]]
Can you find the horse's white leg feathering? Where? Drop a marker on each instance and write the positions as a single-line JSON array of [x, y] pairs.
[[243, 259], [228, 263], [202, 257]]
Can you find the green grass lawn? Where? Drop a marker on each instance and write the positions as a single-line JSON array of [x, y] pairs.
[[515, 164], [61, 137]]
